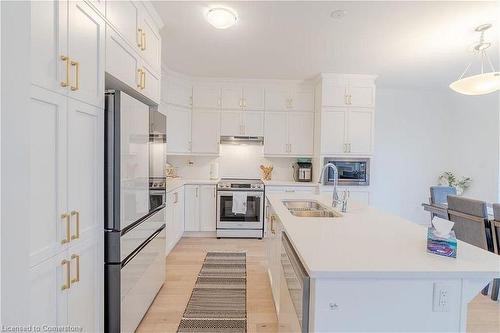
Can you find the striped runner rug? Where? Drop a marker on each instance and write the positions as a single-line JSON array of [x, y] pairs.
[[218, 300]]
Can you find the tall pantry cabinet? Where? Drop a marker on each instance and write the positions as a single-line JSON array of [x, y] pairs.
[[66, 136]]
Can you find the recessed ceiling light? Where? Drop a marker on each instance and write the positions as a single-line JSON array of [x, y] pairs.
[[221, 17], [338, 14]]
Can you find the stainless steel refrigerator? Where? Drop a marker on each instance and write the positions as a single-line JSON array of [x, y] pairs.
[[134, 265]]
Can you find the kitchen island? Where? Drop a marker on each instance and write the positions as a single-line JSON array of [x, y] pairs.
[[368, 271]]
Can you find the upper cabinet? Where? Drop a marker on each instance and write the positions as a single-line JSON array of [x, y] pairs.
[[349, 91], [346, 114], [206, 96], [68, 39], [290, 99], [243, 98], [133, 47]]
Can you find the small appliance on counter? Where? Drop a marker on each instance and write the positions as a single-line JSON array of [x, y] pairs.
[[302, 170]]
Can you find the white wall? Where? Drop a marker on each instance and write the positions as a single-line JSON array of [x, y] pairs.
[[474, 137], [237, 161], [420, 134], [411, 148]]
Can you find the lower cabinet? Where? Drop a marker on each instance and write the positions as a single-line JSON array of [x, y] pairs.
[[174, 217], [200, 213], [273, 249], [291, 189], [65, 289]]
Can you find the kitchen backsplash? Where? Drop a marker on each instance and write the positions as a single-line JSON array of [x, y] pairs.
[[237, 161]]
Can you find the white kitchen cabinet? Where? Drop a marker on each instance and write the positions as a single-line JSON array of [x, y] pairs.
[[178, 129], [359, 130], [124, 17], [150, 85], [84, 300], [274, 230], [289, 133], [247, 123], [347, 131], [121, 60], [67, 288], [208, 199], [174, 217], [48, 195], [68, 39], [349, 91], [85, 178], [48, 303], [191, 208], [311, 188], [300, 133], [200, 208], [205, 131], [253, 123], [333, 127], [276, 134], [289, 99], [243, 98], [206, 96], [151, 42], [231, 123], [177, 92], [86, 52]]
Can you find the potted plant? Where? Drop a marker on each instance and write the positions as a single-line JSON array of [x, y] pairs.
[[449, 179]]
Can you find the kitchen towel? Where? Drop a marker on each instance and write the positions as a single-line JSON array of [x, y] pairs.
[[239, 203]]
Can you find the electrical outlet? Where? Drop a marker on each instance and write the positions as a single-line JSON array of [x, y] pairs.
[[441, 298]]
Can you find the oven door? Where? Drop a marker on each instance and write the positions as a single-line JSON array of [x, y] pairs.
[[253, 219]]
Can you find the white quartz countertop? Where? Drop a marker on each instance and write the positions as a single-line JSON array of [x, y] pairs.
[[175, 183], [366, 242]]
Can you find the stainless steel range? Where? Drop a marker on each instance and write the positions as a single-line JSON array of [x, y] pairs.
[[240, 208]]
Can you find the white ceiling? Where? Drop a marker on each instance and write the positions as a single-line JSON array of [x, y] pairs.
[[423, 44]]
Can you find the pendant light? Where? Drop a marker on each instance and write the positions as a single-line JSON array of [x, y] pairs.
[[484, 82]]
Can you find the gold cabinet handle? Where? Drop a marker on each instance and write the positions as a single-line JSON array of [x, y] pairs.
[[143, 41], [77, 234], [66, 60], [66, 218], [139, 39], [66, 285], [272, 224], [76, 64], [144, 79], [77, 277], [139, 72]]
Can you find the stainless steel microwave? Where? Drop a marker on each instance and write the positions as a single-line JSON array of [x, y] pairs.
[[352, 171]]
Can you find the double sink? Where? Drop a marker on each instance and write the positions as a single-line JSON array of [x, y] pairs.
[[309, 208]]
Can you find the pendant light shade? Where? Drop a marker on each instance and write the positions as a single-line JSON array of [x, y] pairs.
[[479, 84], [484, 82]]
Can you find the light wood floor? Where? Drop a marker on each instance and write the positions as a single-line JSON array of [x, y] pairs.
[[184, 263]]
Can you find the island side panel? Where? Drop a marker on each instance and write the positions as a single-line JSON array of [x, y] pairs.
[[361, 305]]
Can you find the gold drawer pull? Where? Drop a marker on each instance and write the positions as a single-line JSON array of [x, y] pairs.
[[139, 85], [77, 75], [67, 285], [66, 60], [66, 218], [139, 39], [77, 278], [143, 41], [77, 234], [272, 224], [144, 80]]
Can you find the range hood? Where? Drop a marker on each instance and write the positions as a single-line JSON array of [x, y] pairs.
[[241, 139]]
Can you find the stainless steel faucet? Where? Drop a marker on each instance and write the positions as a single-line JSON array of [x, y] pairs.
[[335, 196]]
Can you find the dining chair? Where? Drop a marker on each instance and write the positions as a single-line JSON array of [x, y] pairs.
[[471, 223], [439, 195], [495, 232]]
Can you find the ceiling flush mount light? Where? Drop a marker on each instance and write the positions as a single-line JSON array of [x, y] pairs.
[[338, 14], [484, 82], [221, 17]]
